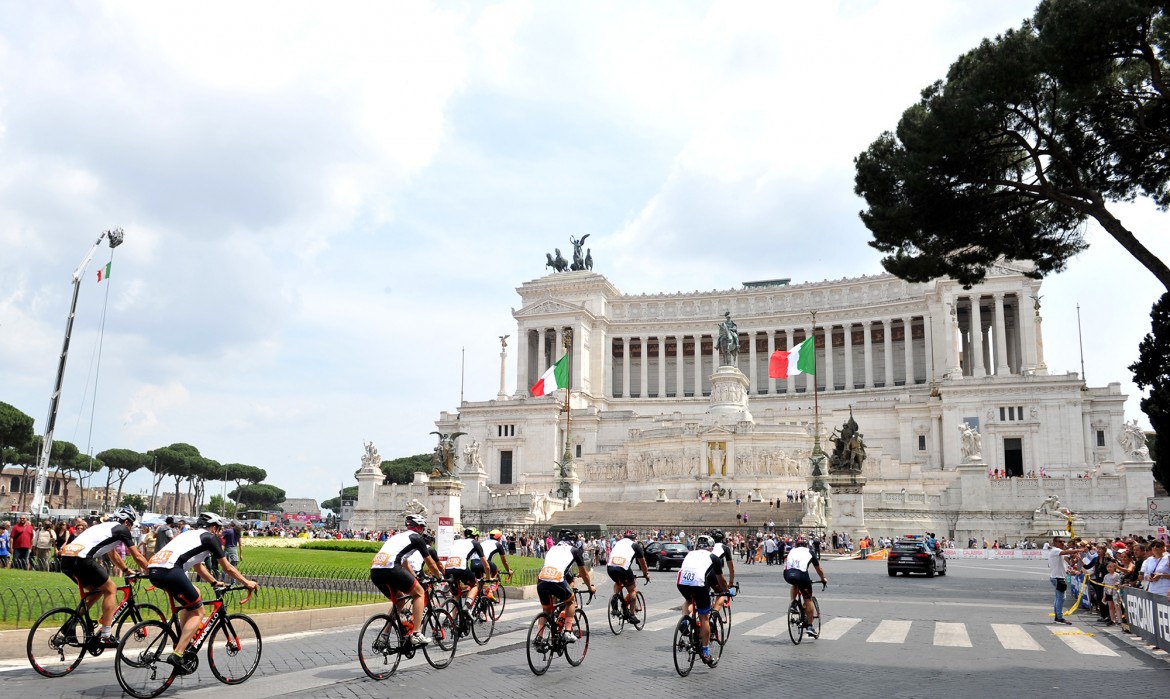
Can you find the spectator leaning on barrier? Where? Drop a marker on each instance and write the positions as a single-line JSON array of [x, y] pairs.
[[1158, 564]]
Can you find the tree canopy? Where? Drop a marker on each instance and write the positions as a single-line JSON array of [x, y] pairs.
[[16, 428], [261, 496], [335, 503], [402, 469], [1152, 371], [1029, 136]]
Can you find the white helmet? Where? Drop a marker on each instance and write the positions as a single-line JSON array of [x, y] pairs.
[[207, 519]]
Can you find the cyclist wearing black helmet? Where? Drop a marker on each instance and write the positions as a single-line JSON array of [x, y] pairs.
[[796, 575], [723, 551], [168, 571], [621, 570], [701, 571], [392, 575], [554, 578], [79, 561]]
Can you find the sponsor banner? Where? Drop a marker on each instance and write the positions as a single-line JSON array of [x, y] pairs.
[[301, 517], [995, 554], [445, 537], [1149, 616]]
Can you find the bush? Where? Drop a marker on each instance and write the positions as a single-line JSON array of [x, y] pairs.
[[343, 545]]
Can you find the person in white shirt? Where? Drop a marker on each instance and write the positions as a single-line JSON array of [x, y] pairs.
[[1056, 573], [1156, 569]]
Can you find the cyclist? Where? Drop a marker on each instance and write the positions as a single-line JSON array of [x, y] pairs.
[[391, 572], [700, 572], [723, 551], [168, 571], [621, 570], [492, 547], [460, 566], [79, 561], [796, 575], [554, 578]]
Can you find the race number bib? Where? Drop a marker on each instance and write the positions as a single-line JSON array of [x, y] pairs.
[[552, 574], [71, 549], [380, 560], [160, 558], [618, 561], [687, 577], [454, 562]]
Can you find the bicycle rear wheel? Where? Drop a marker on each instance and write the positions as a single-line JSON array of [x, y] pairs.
[[641, 613], [57, 642], [575, 652], [378, 654], [135, 614], [684, 647], [235, 649], [444, 633], [482, 623], [816, 620], [617, 615], [140, 663], [539, 645], [796, 621]]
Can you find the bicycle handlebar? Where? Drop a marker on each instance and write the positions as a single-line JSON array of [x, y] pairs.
[[824, 584]]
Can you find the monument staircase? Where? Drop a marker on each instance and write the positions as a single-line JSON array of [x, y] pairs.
[[688, 516]]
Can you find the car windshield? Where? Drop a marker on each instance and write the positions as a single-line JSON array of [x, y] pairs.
[[676, 547]]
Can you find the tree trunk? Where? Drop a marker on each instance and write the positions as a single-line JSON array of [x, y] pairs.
[[178, 480], [1131, 244]]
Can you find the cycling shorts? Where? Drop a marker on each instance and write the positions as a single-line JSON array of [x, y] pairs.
[[620, 575], [477, 568], [84, 571], [393, 582], [547, 591], [800, 580], [463, 576], [699, 596], [174, 581]]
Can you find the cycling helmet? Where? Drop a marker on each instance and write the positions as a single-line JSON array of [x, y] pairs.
[[125, 513], [717, 535], [628, 534], [207, 519], [496, 534], [799, 541], [704, 542], [567, 535], [471, 533], [416, 522]]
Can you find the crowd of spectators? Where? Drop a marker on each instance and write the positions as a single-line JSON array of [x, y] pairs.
[[1110, 565]]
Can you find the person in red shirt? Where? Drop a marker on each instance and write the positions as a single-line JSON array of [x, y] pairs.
[[22, 541]]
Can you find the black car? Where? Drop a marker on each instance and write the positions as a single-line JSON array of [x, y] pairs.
[[912, 556], [665, 555]]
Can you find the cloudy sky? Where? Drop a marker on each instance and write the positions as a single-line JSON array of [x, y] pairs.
[[327, 204]]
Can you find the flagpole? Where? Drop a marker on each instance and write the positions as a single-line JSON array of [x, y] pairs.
[[567, 457], [816, 403]]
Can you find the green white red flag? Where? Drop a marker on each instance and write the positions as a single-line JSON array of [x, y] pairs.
[[104, 273], [799, 360], [556, 377]]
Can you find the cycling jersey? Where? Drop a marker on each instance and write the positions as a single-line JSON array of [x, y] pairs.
[[463, 553], [800, 558], [557, 562], [97, 540], [397, 548], [625, 552], [699, 569], [187, 549], [491, 547], [722, 550], [415, 560]]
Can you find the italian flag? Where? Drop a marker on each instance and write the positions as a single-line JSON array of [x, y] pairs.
[[556, 377], [801, 360], [104, 273]]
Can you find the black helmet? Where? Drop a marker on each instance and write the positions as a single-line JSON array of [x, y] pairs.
[[471, 533], [717, 535], [567, 535]]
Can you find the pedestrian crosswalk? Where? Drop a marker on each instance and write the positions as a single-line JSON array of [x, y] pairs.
[[943, 634]]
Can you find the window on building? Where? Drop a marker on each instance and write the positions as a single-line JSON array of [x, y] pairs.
[[921, 442], [16, 484], [505, 430], [1002, 414], [1100, 438], [578, 451], [506, 467]]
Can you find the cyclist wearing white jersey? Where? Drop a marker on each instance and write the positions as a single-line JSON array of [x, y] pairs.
[[391, 572], [465, 553], [701, 572], [723, 551], [621, 570], [554, 578], [796, 575]]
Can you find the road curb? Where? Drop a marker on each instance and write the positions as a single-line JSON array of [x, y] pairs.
[[13, 643]]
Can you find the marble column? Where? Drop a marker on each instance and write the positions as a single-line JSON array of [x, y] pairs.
[[978, 369], [558, 348], [679, 374], [957, 341], [578, 359], [541, 352], [752, 366], [522, 382], [626, 366], [830, 384], [867, 327], [888, 348], [1001, 354], [644, 366], [848, 328], [698, 392], [1028, 328], [661, 366], [908, 348], [607, 368], [810, 381], [771, 350]]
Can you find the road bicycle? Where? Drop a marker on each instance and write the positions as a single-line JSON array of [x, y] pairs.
[[725, 611], [688, 643], [233, 652], [385, 638], [478, 620], [60, 639], [494, 595], [546, 636], [798, 619], [620, 612]]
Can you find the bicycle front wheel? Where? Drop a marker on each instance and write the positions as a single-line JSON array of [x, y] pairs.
[[795, 622], [482, 623], [444, 633], [140, 663], [725, 616], [134, 615], [718, 639], [378, 646], [497, 604], [575, 652], [816, 620], [539, 646], [641, 613], [57, 642], [684, 647], [617, 615], [235, 649]]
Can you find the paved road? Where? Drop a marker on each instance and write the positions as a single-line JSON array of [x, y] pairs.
[[983, 630]]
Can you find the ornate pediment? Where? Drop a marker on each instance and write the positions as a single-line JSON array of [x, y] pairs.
[[716, 430], [546, 307]]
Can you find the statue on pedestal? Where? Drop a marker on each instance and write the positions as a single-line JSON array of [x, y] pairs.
[[972, 443], [471, 458], [849, 450], [578, 258], [443, 459], [728, 341], [1133, 441]]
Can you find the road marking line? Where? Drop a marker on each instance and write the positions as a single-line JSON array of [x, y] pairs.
[[772, 628], [837, 627], [951, 634], [1081, 642], [890, 631], [1014, 637]]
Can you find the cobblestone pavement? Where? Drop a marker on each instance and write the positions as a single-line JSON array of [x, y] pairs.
[[982, 630]]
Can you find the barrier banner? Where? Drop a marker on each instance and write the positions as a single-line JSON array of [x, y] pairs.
[[1149, 616], [995, 554]]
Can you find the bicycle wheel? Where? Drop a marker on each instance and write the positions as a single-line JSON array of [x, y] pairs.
[[138, 613], [725, 616], [617, 615], [684, 647], [482, 623], [816, 620], [380, 658], [497, 604], [140, 663], [235, 649], [57, 642], [444, 633], [575, 652], [718, 639], [795, 621], [641, 613], [539, 645]]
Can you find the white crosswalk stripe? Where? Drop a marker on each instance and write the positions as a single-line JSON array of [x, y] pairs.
[[951, 634], [835, 628], [890, 631], [774, 627], [1014, 637], [1081, 642]]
